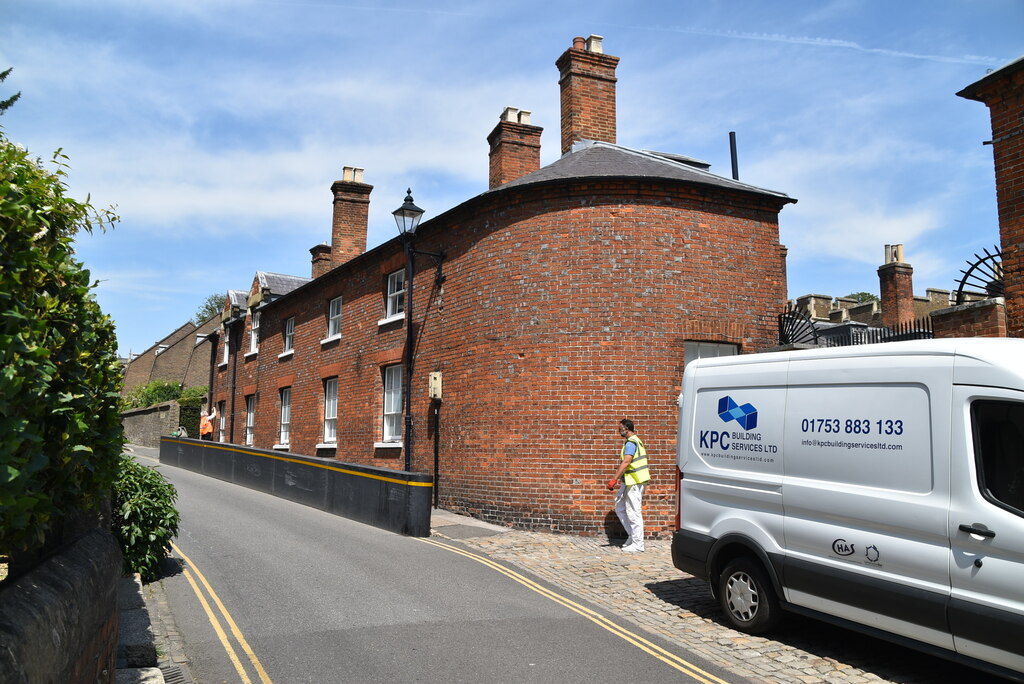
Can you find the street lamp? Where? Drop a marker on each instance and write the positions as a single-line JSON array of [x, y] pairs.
[[407, 217]]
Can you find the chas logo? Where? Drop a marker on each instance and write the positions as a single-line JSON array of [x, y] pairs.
[[745, 415]]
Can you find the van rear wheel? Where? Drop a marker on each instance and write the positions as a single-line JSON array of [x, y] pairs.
[[747, 597]]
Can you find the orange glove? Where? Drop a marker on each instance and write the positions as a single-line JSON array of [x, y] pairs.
[[612, 484]]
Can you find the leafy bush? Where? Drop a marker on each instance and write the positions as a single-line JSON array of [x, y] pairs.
[[144, 517], [193, 396], [153, 392], [60, 429]]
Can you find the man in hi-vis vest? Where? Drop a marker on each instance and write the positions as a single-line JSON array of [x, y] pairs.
[[634, 476]]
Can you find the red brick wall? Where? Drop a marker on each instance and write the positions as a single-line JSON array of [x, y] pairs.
[[587, 91], [566, 308], [351, 208], [896, 281], [515, 151], [1003, 92], [986, 318]]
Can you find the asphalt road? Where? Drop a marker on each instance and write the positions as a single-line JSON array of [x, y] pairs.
[[318, 598]]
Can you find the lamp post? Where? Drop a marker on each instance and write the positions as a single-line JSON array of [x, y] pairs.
[[407, 217]]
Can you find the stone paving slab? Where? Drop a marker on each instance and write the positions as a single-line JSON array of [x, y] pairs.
[[647, 590]]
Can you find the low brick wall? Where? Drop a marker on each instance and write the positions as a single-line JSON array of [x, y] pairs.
[[145, 426], [59, 621], [986, 318]]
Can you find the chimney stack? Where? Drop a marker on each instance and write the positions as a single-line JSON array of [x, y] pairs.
[[515, 147], [321, 259], [351, 212], [586, 77], [896, 282]]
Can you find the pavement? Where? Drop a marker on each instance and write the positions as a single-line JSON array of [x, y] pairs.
[[649, 592]]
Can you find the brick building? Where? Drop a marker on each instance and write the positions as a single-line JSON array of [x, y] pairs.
[[571, 297], [1002, 91], [182, 357]]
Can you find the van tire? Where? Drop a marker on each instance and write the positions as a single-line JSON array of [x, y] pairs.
[[747, 597]]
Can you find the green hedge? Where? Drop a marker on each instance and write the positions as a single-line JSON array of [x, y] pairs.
[[144, 517], [60, 428]]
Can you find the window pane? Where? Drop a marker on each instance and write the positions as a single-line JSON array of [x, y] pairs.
[[222, 421], [334, 318], [999, 440], [392, 403], [250, 418], [396, 293], [289, 334], [705, 350], [254, 332], [286, 415], [330, 410]]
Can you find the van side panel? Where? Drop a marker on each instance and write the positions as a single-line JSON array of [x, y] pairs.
[[866, 491], [729, 452]]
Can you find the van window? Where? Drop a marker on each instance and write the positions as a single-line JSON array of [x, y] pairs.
[[999, 447]]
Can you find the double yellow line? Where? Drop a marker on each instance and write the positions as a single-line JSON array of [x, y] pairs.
[[667, 657], [221, 634]]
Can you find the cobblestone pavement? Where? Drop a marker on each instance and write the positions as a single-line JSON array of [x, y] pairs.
[[649, 591]]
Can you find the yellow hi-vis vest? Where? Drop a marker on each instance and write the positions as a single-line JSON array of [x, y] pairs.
[[637, 472]]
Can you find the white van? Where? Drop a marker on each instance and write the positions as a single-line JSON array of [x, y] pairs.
[[879, 487]]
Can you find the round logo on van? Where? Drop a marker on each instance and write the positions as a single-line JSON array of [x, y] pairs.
[[843, 547]]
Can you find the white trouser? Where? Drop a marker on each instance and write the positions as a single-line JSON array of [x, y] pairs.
[[627, 507]]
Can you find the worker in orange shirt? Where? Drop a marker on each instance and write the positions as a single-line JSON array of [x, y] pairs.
[[206, 423]]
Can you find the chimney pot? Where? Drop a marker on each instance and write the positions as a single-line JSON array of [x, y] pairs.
[[510, 114], [594, 44], [524, 116], [578, 43]]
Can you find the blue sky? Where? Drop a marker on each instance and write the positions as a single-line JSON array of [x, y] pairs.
[[217, 126]]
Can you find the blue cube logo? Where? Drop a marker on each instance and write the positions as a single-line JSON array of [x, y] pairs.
[[745, 415]]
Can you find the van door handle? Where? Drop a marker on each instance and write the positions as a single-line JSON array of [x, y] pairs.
[[977, 529]]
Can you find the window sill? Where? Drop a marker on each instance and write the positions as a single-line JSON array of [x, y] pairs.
[[328, 340], [252, 354], [286, 355], [391, 319], [222, 365], [387, 445], [333, 445], [281, 447]]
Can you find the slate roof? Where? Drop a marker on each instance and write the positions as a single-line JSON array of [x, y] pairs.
[[278, 283], [595, 159], [238, 298]]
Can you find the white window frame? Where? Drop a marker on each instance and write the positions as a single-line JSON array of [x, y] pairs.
[[392, 422], [334, 319], [226, 338], [250, 419], [222, 423], [254, 333], [395, 303], [289, 336], [330, 411], [285, 420], [699, 349]]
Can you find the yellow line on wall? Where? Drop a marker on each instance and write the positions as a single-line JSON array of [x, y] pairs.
[[314, 465], [667, 657], [227, 617]]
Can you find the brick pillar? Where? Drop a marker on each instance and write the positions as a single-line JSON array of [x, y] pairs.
[[321, 259], [515, 147], [586, 77], [896, 284], [1003, 92], [351, 211]]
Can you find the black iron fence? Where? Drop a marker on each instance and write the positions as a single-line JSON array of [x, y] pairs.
[[796, 328]]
